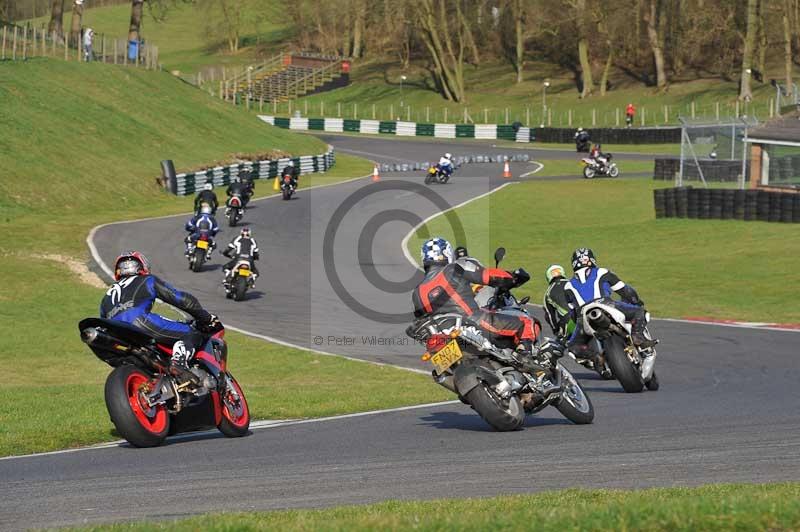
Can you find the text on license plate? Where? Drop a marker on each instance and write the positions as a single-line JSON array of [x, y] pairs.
[[202, 244], [446, 357], [244, 273]]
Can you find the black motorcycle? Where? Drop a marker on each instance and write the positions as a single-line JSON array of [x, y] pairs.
[[147, 401], [234, 209], [239, 280], [488, 376], [199, 251], [583, 142], [288, 186]]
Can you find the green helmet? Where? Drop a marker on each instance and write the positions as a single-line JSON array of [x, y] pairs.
[[553, 272]]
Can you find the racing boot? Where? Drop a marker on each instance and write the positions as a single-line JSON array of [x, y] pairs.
[[637, 334], [179, 364]]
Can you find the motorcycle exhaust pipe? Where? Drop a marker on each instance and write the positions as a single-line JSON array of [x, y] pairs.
[[96, 338], [648, 363], [598, 319]]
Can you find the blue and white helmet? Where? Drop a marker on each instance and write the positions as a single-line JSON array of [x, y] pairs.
[[437, 251]]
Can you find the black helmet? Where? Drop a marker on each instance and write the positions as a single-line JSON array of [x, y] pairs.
[[582, 258], [461, 252]]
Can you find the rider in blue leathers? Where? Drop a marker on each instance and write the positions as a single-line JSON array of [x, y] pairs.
[[445, 165], [130, 300], [204, 222], [591, 283]]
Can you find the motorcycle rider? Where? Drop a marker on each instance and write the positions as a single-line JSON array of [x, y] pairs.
[[292, 171], [556, 305], [246, 178], [206, 196], [237, 188], [445, 165], [599, 157], [590, 283], [447, 287], [242, 247], [582, 139], [131, 300], [204, 222]]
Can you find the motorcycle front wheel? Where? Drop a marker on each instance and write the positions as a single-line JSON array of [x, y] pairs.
[[621, 366], [613, 171], [503, 415], [235, 421], [232, 218], [574, 405], [135, 420]]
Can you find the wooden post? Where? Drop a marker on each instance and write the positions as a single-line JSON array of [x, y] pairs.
[[644, 112], [373, 111], [105, 59], [220, 90], [527, 116], [355, 111], [116, 51], [408, 113], [666, 114], [717, 109], [261, 103], [5, 31], [693, 109], [14, 46], [506, 115], [24, 43], [305, 108], [322, 109], [125, 53], [549, 117], [53, 37], [616, 116], [737, 109], [594, 117], [445, 116], [428, 114], [569, 117], [33, 48], [274, 107]]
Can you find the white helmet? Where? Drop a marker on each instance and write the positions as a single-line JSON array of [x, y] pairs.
[[205, 208], [448, 155], [208, 186]]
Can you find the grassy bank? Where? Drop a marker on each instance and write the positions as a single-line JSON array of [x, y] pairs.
[[681, 267], [81, 146], [715, 507]]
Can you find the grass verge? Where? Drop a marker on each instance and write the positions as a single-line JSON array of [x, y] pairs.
[[81, 146], [681, 267], [713, 507]]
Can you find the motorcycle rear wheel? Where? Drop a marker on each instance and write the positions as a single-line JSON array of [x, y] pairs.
[[575, 405], [588, 172], [235, 421], [199, 258], [653, 384], [625, 372], [239, 288], [136, 421], [493, 410]]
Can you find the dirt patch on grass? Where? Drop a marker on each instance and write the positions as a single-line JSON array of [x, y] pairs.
[[77, 267]]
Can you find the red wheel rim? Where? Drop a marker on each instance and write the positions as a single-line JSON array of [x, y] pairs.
[[152, 418], [235, 405]]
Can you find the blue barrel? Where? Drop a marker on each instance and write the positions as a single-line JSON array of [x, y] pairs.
[[133, 50]]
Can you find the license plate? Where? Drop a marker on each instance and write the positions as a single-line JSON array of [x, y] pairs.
[[244, 273], [202, 244], [446, 357]]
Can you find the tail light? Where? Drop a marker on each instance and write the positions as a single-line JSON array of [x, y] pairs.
[[436, 342], [235, 202], [286, 179], [203, 237]]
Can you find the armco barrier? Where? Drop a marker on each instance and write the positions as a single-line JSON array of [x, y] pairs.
[[727, 204], [410, 129], [188, 183]]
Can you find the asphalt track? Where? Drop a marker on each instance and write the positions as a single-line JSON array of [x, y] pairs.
[[727, 410]]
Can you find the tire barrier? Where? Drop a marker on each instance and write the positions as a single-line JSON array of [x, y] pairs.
[[727, 204], [666, 168], [612, 135], [457, 160], [188, 183]]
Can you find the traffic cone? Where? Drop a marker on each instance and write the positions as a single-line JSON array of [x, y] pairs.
[[375, 175], [276, 186], [506, 171]]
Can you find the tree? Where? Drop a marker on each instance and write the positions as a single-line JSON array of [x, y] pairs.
[[656, 21], [56, 19], [445, 48], [745, 93], [518, 15], [77, 17], [136, 20], [582, 27], [787, 42]]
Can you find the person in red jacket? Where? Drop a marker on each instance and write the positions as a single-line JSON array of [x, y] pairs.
[[630, 113]]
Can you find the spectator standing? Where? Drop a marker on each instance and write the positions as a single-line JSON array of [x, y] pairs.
[[630, 114], [88, 40]]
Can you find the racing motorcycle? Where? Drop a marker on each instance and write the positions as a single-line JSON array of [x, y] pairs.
[[234, 209], [487, 376], [288, 186], [436, 175], [239, 280], [592, 168], [632, 366], [147, 402], [200, 251]]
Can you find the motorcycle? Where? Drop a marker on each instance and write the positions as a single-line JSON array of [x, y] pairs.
[[147, 403], [239, 280], [592, 168], [234, 209], [200, 251], [488, 377], [582, 144], [632, 366], [288, 186], [436, 175]]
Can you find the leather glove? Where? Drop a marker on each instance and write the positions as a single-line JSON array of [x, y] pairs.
[[551, 348], [520, 276], [209, 323]]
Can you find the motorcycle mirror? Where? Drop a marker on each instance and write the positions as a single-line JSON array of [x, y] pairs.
[[498, 255], [524, 300]]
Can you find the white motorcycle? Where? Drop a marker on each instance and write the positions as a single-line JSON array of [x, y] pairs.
[[592, 168], [632, 366]]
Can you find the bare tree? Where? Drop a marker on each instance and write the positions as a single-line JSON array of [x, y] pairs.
[[136, 20], [656, 21], [745, 93], [787, 42], [582, 30], [57, 19], [77, 17], [445, 48]]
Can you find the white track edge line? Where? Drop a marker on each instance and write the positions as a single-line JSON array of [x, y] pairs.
[[257, 425]]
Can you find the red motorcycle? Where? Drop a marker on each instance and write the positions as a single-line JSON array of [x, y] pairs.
[[147, 402]]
